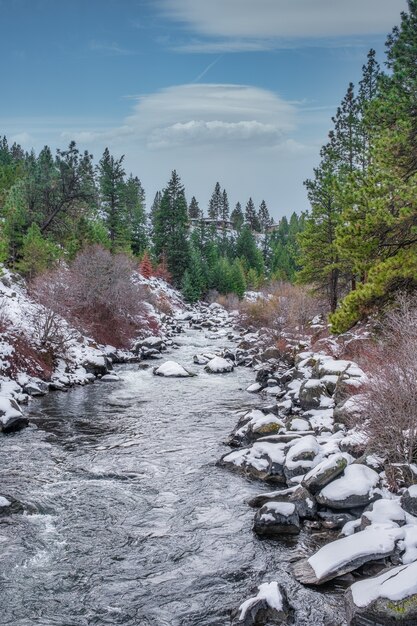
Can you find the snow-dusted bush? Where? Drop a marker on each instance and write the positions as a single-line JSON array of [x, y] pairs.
[[97, 295], [390, 398]]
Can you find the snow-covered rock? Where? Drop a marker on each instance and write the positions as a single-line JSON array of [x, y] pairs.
[[263, 460], [11, 416], [325, 472], [409, 500], [387, 599], [347, 554], [277, 518], [218, 365], [304, 502], [356, 488], [269, 605], [172, 369]]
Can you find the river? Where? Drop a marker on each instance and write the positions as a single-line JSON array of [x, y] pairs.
[[130, 520]]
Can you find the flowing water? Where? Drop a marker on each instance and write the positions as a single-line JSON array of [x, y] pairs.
[[130, 520]]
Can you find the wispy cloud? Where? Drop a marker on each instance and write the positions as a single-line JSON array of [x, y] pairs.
[[250, 25], [110, 49]]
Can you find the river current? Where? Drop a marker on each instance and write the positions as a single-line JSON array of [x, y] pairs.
[[130, 521]]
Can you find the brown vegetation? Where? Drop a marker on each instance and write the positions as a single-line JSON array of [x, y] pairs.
[[97, 295], [390, 398], [283, 307]]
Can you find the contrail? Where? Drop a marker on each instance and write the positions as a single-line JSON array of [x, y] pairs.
[[204, 72]]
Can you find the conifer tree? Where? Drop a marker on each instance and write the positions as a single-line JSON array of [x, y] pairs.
[[193, 279], [247, 250], [154, 209], [251, 218], [216, 202], [171, 229], [320, 258], [225, 210], [145, 266], [194, 211], [134, 215], [264, 219], [112, 189], [237, 218], [237, 278]]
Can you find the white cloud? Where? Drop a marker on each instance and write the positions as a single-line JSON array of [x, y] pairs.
[[242, 136], [196, 116], [265, 19]]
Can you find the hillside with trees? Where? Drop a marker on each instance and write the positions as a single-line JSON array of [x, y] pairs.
[[53, 207]]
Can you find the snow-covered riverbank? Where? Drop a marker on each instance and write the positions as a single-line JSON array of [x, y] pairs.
[[296, 438]]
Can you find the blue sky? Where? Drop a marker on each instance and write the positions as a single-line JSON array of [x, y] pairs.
[[240, 91]]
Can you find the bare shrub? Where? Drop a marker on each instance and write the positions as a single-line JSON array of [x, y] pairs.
[[97, 295], [230, 301], [282, 307], [51, 333], [390, 398]]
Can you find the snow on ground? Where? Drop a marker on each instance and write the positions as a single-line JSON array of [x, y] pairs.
[[83, 359]]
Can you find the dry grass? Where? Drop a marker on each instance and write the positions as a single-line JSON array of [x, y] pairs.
[[282, 307]]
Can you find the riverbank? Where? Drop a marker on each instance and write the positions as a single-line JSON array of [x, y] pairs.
[[321, 486]]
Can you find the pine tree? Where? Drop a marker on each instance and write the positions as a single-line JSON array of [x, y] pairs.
[[345, 140], [194, 211], [237, 277], [247, 250], [216, 202], [368, 91], [37, 254], [264, 219], [154, 209], [237, 218], [134, 215], [225, 210], [112, 189], [320, 258], [251, 218], [193, 279], [171, 229]]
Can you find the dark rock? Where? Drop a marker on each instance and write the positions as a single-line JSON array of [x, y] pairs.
[[268, 607], [304, 502], [311, 392], [11, 416], [383, 611], [409, 500], [325, 472], [99, 367], [277, 518]]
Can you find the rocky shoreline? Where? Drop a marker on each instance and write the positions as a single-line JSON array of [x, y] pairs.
[[317, 472]]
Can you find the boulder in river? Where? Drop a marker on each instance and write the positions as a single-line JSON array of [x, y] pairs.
[[275, 519], [172, 369], [298, 495], [347, 554], [218, 365], [11, 416], [268, 606]]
